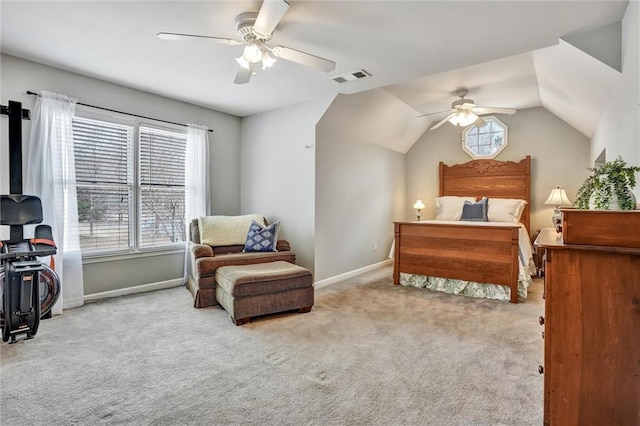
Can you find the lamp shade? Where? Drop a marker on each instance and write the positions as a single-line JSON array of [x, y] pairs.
[[419, 205], [558, 197]]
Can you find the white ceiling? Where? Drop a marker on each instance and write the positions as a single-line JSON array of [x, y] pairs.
[[419, 51], [507, 82]]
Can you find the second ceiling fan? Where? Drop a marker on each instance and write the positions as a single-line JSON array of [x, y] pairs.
[[464, 111], [255, 31]]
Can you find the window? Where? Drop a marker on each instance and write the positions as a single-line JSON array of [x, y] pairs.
[[131, 185], [162, 186], [104, 180], [485, 140]]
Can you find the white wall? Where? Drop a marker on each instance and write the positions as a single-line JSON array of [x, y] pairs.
[[618, 129], [278, 171], [19, 75], [559, 157], [360, 191]]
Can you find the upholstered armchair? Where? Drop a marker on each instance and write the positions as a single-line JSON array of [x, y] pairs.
[[204, 259]]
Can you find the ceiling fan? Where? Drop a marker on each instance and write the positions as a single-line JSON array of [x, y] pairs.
[[464, 111], [255, 31]]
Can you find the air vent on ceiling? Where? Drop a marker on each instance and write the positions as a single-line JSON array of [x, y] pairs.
[[352, 76]]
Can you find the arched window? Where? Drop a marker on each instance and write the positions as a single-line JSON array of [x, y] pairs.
[[485, 140]]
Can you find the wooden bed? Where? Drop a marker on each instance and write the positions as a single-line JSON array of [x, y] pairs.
[[483, 254]]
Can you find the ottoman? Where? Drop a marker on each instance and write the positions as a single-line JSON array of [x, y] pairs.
[[247, 291]]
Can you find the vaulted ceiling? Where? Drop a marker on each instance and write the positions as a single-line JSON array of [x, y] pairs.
[[506, 53]]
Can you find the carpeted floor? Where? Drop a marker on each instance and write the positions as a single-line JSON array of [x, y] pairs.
[[369, 353]]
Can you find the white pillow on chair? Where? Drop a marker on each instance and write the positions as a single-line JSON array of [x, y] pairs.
[[226, 230]]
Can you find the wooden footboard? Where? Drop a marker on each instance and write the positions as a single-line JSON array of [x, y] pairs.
[[484, 254]]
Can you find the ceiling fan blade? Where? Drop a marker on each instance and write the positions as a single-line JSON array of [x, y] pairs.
[[444, 120], [178, 36], [303, 58], [269, 16], [243, 75], [479, 122], [435, 113], [492, 110]]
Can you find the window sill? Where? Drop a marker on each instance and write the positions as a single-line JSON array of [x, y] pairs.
[[116, 256]]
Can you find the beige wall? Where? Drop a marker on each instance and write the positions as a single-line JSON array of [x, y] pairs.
[[559, 157]]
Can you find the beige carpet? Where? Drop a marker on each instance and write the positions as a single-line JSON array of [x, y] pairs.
[[369, 353]]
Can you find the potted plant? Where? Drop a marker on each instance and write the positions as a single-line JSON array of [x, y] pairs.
[[610, 182]]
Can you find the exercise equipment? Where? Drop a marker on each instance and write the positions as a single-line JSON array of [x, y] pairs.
[[29, 288]]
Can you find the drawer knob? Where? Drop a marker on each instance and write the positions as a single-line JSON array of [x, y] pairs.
[[543, 334], [541, 320], [540, 369]]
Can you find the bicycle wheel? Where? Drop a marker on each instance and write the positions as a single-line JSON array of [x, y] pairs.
[[6, 319], [49, 289], [2, 296]]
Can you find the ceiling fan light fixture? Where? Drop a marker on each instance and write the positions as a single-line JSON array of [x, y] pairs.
[[254, 31], [267, 60], [463, 118], [243, 62], [252, 53]]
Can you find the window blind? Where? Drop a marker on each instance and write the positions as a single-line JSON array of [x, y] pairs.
[[162, 186], [131, 191], [104, 164]]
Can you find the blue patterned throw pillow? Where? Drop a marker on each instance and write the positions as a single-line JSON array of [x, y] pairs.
[[475, 212], [261, 238]]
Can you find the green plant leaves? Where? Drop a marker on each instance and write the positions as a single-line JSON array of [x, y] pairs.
[[613, 177]]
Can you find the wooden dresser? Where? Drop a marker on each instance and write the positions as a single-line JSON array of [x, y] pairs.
[[592, 319]]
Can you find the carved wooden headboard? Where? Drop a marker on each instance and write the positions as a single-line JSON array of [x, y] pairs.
[[489, 178]]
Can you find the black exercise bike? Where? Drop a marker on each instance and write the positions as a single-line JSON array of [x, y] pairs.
[[29, 288]]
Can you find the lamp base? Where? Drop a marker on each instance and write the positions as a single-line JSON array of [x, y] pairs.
[[557, 220]]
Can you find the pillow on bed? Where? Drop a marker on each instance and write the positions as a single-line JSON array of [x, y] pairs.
[[450, 207], [505, 209], [475, 212]]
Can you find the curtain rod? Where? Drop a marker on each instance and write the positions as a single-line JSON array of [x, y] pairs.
[[29, 92]]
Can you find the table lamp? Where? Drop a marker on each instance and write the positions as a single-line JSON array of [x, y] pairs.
[[558, 197], [419, 205]]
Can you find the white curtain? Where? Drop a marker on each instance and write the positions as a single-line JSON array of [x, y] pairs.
[[196, 178], [51, 175]]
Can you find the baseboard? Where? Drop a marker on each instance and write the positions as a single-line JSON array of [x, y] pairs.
[[137, 289], [351, 274], [178, 282]]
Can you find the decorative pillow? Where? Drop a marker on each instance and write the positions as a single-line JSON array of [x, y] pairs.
[[261, 238], [226, 230], [505, 209], [450, 207], [475, 212]]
